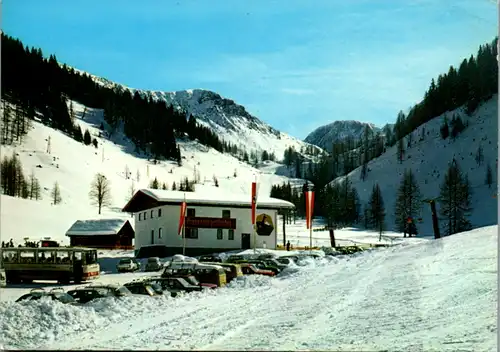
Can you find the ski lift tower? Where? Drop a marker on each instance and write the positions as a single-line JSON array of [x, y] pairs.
[[435, 223]]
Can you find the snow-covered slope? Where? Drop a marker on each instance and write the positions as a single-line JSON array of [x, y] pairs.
[[224, 116], [74, 165], [436, 295], [429, 160], [326, 135]]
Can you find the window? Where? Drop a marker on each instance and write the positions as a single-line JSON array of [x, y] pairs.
[[151, 214], [226, 214], [159, 232], [191, 233], [159, 212], [145, 214], [45, 257], [231, 234], [152, 236], [140, 214], [219, 234]]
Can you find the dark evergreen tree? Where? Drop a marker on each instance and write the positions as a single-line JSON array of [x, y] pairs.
[[489, 176], [376, 210], [86, 138], [408, 202], [454, 200], [154, 184]]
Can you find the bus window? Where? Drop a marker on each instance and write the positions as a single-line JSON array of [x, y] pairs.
[[63, 257], [9, 256], [46, 257], [90, 257], [27, 256], [77, 256]]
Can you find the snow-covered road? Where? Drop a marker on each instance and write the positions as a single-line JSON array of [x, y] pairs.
[[440, 295]]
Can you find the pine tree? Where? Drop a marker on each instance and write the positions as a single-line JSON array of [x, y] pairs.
[[454, 200], [154, 184], [86, 138], [445, 130], [489, 176], [479, 155], [376, 210], [56, 194], [77, 134], [401, 150], [408, 201], [364, 168]]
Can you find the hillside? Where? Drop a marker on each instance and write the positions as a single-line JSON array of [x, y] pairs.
[[425, 296], [429, 160], [326, 135], [229, 120], [74, 165]]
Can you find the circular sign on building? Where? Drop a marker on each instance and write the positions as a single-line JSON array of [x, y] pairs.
[[264, 225]]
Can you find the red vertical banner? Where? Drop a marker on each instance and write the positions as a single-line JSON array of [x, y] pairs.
[[309, 207], [254, 200], [182, 217]]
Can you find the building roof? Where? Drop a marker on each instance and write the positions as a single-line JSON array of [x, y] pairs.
[[159, 197], [96, 227]]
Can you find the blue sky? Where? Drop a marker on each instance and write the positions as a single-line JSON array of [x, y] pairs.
[[295, 64]]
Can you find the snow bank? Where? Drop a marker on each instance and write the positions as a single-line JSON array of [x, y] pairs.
[[434, 295]]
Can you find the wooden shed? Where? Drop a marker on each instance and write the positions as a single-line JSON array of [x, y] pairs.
[[102, 233]]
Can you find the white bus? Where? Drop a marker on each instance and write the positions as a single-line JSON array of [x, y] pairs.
[[63, 264]]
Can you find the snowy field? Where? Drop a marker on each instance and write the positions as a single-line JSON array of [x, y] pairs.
[[74, 166], [298, 235], [431, 295]]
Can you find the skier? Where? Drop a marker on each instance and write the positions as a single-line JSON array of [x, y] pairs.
[[288, 245]]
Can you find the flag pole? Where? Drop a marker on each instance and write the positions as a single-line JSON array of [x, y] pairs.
[[253, 220], [184, 229], [310, 235]]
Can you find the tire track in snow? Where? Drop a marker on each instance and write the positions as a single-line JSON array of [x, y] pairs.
[[299, 324], [79, 340]]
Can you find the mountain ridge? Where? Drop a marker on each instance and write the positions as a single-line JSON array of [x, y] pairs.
[[222, 115], [336, 131]]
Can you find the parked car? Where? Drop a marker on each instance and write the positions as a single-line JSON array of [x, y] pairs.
[[56, 294], [153, 264], [144, 288], [274, 262], [91, 292], [210, 259], [128, 265], [235, 258], [295, 258], [250, 269], [260, 264], [209, 273], [265, 256], [188, 276], [233, 270], [176, 285], [285, 260]]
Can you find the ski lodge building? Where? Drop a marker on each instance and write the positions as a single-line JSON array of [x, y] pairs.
[[213, 222], [102, 233]]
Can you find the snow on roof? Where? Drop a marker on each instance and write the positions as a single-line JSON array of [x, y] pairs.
[[217, 196], [96, 227]]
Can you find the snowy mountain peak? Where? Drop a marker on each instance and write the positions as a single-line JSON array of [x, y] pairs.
[[230, 120], [326, 135]]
